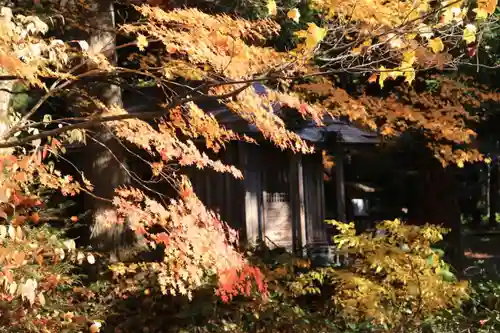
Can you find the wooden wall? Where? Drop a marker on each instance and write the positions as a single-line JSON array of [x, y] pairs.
[[250, 164], [222, 192], [280, 201], [314, 199], [277, 220]]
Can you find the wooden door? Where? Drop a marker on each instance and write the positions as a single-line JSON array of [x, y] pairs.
[[277, 215]]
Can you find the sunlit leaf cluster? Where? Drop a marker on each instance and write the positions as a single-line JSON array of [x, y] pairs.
[[394, 276], [195, 58]]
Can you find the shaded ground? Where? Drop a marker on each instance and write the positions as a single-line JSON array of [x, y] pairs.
[[481, 255]]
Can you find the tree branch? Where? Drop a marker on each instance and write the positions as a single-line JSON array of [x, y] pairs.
[[99, 120]]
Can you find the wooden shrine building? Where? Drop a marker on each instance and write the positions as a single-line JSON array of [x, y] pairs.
[[281, 200]]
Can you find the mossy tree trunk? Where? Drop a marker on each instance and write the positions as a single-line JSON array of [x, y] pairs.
[[6, 87], [105, 156]]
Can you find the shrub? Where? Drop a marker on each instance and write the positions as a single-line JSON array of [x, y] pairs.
[[395, 277], [480, 313], [37, 262]]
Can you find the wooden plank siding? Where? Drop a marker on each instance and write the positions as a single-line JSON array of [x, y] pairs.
[[221, 192], [250, 159], [276, 206], [314, 199], [279, 202], [298, 203]]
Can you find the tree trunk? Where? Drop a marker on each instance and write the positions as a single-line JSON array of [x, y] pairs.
[[105, 156], [494, 195], [5, 98], [5, 101], [478, 196], [437, 203]]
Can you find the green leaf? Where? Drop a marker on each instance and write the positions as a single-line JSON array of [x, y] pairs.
[[438, 252], [447, 275], [430, 260], [47, 118]]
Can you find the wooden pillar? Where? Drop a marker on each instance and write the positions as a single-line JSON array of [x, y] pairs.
[[298, 203], [494, 192], [340, 184], [253, 189], [321, 195]]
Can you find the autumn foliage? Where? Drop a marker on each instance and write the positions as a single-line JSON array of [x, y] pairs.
[[35, 259], [195, 58]]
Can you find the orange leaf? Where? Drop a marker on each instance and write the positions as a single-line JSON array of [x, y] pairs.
[[373, 78], [8, 275], [21, 176], [19, 232], [39, 259], [18, 220], [25, 162], [171, 48], [79, 319], [35, 217], [3, 254], [19, 258]]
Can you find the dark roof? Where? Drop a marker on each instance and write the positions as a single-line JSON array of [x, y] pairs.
[[308, 131]]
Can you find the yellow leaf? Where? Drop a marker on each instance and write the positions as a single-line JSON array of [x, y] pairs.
[[411, 36], [356, 50], [454, 13], [447, 16], [424, 7], [481, 14], [301, 34], [409, 74], [394, 74], [383, 76], [141, 42], [19, 233], [13, 288], [436, 45], [387, 131], [409, 57], [460, 164], [487, 160], [331, 12], [315, 35], [470, 33], [294, 14], [12, 232], [272, 9]]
